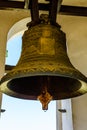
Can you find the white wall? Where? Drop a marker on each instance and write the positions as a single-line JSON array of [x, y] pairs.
[[7, 19], [3, 38], [79, 107]]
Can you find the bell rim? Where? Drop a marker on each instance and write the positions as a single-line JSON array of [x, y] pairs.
[[75, 74], [79, 92]]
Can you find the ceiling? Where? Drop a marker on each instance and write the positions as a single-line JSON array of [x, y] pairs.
[[68, 7], [72, 17], [75, 2]]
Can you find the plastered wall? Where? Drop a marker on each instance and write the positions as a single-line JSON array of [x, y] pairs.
[[7, 19], [79, 107], [2, 57]]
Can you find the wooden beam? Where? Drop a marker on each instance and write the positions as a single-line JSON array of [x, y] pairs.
[[12, 4], [73, 10], [67, 10], [64, 10], [8, 68]]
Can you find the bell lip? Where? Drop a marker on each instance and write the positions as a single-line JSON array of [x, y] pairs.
[[79, 92], [81, 78], [11, 93], [71, 73]]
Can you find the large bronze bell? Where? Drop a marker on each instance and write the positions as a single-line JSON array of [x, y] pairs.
[[44, 71]]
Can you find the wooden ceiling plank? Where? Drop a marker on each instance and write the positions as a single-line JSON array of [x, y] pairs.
[[73, 10], [12, 4]]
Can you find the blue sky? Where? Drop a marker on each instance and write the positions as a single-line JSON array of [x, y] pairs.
[[24, 114]]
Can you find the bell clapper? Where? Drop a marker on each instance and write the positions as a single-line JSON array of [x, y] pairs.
[[45, 96]]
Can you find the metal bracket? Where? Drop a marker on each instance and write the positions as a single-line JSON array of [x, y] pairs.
[[62, 110]]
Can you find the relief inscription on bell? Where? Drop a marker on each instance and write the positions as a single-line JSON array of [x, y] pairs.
[[47, 46], [47, 43]]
